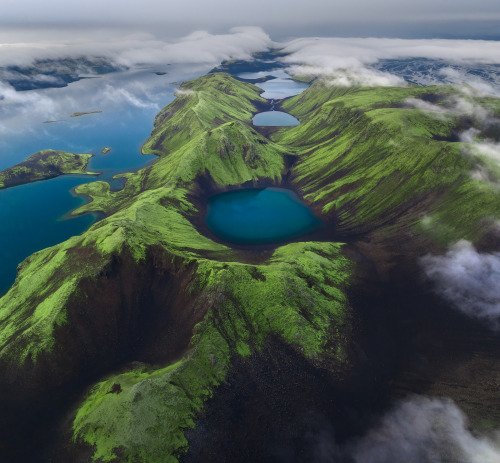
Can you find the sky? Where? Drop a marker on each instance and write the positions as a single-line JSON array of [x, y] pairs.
[[283, 19]]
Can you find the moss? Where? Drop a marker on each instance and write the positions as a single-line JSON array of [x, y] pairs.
[[84, 113], [198, 108]]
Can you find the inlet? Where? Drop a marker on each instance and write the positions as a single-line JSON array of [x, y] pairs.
[[258, 216]]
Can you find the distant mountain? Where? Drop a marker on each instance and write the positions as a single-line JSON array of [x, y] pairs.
[[51, 73]]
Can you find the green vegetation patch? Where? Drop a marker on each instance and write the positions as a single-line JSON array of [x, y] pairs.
[[44, 165], [84, 113]]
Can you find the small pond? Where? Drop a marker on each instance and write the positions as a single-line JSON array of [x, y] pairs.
[[282, 86], [259, 216], [275, 119]]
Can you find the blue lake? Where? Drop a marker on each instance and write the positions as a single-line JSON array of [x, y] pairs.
[[31, 215], [275, 119], [32, 219], [259, 216]]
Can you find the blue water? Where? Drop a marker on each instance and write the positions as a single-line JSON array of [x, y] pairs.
[[281, 87], [259, 216], [31, 214], [32, 219], [275, 119]]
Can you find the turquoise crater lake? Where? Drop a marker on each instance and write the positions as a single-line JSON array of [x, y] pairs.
[[259, 216]]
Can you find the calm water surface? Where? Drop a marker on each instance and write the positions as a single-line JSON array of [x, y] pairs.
[[281, 87], [275, 119], [259, 216], [32, 220]]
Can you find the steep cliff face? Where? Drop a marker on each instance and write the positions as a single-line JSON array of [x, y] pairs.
[[154, 319]]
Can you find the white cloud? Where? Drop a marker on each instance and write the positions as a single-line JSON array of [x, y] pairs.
[[10, 100], [482, 148], [457, 76], [130, 50], [345, 52], [458, 105], [183, 92], [119, 95], [347, 77], [418, 429], [487, 148], [469, 280], [422, 429]]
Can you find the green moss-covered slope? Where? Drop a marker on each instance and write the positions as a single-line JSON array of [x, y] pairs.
[[44, 165], [147, 419], [369, 157], [159, 312]]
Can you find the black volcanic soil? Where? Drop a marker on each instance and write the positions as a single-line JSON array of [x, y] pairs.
[[276, 407]]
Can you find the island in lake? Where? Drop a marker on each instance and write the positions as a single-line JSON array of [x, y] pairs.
[[44, 165]]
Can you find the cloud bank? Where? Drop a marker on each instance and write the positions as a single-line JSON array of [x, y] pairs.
[[485, 149], [418, 429], [423, 429], [469, 280], [341, 52], [131, 50], [347, 61], [357, 56]]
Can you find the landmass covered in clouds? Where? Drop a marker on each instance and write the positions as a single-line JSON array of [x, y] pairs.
[[347, 61], [367, 61], [140, 48]]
